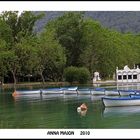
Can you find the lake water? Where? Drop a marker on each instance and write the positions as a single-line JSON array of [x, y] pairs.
[[60, 111]]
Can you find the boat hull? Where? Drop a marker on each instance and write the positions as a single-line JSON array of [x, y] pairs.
[[111, 93], [28, 92], [52, 91], [129, 101], [84, 91], [126, 93], [97, 92], [70, 90], [63, 90]]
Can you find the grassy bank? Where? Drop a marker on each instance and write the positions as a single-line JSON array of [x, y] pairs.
[[31, 85], [34, 84]]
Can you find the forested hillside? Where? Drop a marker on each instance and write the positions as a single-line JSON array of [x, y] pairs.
[[124, 21]]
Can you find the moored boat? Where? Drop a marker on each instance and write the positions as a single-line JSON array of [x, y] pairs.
[[25, 92], [70, 90], [98, 91], [126, 92], [135, 95], [84, 91], [121, 101], [52, 91], [112, 92]]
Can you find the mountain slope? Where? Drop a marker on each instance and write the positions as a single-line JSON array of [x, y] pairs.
[[123, 21]]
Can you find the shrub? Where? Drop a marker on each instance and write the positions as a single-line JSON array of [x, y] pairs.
[[83, 75], [76, 74], [70, 74]]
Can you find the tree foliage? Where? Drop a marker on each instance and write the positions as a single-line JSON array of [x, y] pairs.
[[76, 74], [50, 57], [72, 42], [68, 29]]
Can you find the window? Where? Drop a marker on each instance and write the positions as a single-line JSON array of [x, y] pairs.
[[134, 76], [119, 77], [129, 76], [124, 76]]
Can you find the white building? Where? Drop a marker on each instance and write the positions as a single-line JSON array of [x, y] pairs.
[[96, 77], [128, 75]]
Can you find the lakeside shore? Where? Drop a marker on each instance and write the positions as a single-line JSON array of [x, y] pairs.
[[51, 84], [60, 84], [33, 84]]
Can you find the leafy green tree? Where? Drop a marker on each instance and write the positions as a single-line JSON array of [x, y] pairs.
[[19, 25], [69, 32], [106, 49], [50, 57], [14, 28], [26, 52], [3, 55]]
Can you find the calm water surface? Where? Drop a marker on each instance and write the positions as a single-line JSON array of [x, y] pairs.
[[60, 111]]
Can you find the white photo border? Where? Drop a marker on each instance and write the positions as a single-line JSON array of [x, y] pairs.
[[70, 6]]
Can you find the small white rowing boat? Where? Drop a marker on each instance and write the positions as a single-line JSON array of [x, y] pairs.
[[98, 91], [52, 91], [111, 92], [28, 91], [70, 90], [84, 91], [126, 92], [25, 92], [121, 101]]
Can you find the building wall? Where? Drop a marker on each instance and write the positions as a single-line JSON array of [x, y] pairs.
[[128, 75]]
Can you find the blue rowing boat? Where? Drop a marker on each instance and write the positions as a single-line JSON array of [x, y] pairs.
[[112, 92], [121, 101], [84, 91], [126, 92], [98, 91]]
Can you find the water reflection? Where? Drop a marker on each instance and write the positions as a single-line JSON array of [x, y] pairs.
[[121, 111], [59, 111], [62, 97], [128, 86], [82, 113], [36, 97]]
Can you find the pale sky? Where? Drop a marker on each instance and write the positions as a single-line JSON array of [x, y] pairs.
[[70, 6]]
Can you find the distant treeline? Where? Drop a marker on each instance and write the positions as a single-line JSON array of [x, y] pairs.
[[123, 21], [70, 40]]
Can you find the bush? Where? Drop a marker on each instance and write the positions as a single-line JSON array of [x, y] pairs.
[[76, 74], [70, 74], [83, 75]]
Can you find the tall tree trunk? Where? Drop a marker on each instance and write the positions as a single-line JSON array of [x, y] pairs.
[[15, 80], [42, 77], [2, 80]]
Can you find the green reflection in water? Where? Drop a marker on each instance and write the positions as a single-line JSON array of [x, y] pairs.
[[55, 111]]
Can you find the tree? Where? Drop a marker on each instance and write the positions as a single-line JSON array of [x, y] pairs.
[[20, 25], [3, 55], [69, 32], [50, 57], [106, 49], [26, 52], [15, 28]]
